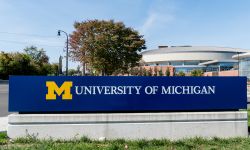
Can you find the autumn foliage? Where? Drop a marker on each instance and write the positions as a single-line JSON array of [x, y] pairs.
[[107, 47]]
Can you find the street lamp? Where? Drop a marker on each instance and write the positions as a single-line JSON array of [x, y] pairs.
[[67, 48]]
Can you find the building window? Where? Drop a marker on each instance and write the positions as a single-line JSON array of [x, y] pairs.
[[191, 62], [176, 63], [245, 68]]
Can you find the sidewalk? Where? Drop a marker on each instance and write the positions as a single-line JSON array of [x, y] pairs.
[[3, 123]]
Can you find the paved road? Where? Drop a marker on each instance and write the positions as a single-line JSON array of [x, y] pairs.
[[4, 99]]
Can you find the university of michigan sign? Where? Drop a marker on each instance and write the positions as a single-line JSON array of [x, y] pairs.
[[125, 94]]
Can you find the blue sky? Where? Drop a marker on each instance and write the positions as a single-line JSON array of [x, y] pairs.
[[162, 22]]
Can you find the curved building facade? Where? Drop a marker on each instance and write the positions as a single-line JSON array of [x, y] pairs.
[[188, 58], [244, 64]]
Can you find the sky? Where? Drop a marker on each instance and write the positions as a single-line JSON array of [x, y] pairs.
[[162, 22]]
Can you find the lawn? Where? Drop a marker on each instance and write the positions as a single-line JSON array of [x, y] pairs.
[[248, 113], [85, 143]]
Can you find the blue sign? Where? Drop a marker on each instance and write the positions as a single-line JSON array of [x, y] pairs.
[[125, 93]]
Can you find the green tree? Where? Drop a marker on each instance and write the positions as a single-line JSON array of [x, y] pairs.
[[140, 73], [44, 69], [144, 72], [107, 46], [54, 69], [160, 72], [40, 59], [37, 55], [5, 60], [181, 73], [131, 71], [150, 72], [16, 64], [155, 71], [167, 72], [78, 71], [134, 71], [196, 73], [31, 62], [72, 72]]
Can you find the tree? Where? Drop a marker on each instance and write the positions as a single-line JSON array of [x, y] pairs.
[[107, 46], [16, 64], [134, 71], [167, 73], [38, 55], [160, 72], [196, 73], [5, 60], [45, 69], [155, 71], [72, 72], [150, 72], [78, 70], [144, 72], [39, 58], [32, 62], [140, 73], [181, 73], [55, 69]]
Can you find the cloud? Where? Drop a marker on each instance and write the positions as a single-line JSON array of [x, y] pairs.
[[155, 20], [159, 15]]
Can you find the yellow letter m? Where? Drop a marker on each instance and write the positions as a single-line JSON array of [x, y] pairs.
[[53, 89]]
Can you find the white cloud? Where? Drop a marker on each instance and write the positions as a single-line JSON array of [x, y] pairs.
[[155, 20], [159, 15]]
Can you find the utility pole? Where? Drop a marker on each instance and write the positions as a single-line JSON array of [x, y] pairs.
[[67, 48]]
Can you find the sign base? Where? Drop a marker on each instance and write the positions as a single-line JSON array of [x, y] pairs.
[[173, 126]]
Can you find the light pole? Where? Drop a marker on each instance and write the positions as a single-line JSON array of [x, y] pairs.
[[67, 48]]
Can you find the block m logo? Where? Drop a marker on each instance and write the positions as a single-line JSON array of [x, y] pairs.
[[64, 90]]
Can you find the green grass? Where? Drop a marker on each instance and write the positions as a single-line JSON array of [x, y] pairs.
[[31, 143], [248, 114], [3, 138], [84, 143]]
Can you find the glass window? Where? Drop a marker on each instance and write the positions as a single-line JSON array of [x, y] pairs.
[[187, 69], [227, 63], [245, 68], [191, 62], [176, 63], [163, 63]]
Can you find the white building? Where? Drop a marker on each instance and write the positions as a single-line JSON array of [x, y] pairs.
[[244, 64], [187, 58]]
